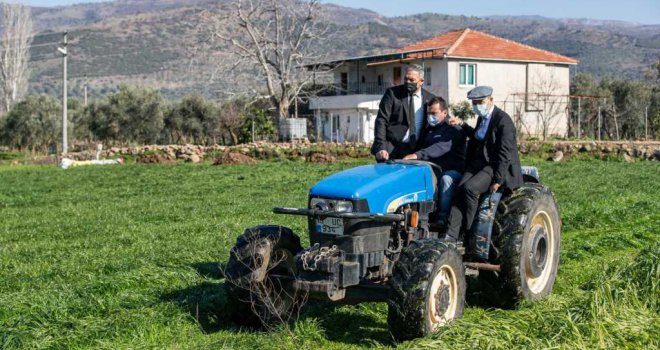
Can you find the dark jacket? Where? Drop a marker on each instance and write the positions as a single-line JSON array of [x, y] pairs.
[[393, 121], [444, 145], [500, 149]]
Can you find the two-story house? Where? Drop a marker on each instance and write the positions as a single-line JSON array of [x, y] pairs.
[[530, 84]]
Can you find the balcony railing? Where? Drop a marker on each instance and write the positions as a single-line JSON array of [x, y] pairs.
[[351, 89]]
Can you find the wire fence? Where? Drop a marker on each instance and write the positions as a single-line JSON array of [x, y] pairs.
[[581, 117]]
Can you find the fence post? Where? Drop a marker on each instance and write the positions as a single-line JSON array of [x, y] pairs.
[[646, 124], [599, 122], [579, 131]]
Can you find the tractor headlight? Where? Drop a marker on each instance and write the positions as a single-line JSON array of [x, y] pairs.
[[343, 206], [331, 205]]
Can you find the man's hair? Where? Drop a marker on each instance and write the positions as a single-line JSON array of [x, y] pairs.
[[438, 100], [417, 68]]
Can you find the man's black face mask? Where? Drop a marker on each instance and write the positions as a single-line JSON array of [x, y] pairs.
[[411, 87]]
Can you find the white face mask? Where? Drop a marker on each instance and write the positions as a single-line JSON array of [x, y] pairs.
[[480, 110], [433, 120]]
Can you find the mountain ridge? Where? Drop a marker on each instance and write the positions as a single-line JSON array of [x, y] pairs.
[[156, 42]]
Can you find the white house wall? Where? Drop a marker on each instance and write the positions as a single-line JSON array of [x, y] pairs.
[[346, 125], [510, 82]]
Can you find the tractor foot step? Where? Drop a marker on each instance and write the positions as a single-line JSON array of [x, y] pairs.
[[471, 272]]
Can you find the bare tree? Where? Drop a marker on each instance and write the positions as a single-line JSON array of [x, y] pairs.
[[277, 37], [14, 52], [231, 119], [522, 126], [547, 102]]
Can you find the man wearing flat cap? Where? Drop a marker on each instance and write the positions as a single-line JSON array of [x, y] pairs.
[[401, 121], [492, 161]]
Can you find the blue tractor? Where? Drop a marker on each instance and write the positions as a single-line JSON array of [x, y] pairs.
[[374, 238]]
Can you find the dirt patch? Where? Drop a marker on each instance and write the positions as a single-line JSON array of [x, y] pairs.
[[47, 160], [321, 158], [155, 159], [234, 158]]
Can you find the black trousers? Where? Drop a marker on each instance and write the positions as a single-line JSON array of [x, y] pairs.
[[476, 180]]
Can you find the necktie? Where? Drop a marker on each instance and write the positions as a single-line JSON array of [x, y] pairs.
[[412, 140]]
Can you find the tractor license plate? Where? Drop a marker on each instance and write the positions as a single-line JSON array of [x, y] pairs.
[[332, 226]]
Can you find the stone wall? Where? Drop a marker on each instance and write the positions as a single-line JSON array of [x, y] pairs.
[[562, 150], [557, 151]]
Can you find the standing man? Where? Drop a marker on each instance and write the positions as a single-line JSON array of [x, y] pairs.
[[492, 159], [443, 145], [401, 120]]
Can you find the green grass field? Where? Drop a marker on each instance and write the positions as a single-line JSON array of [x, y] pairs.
[[126, 257]]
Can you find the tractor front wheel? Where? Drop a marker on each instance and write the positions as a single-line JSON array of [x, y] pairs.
[[254, 298], [427, 289]]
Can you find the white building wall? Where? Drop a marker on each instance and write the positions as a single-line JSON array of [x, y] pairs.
[[510, 82], [347, 125]]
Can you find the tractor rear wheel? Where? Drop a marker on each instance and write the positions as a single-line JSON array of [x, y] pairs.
[[528, 233], [254, 298], [427, 289]]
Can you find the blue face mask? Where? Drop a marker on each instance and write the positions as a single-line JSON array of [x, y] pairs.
[[480, 110], [433, 120]]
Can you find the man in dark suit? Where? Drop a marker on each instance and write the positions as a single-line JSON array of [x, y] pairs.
[[443, 145], [401, 121], [492, 159]]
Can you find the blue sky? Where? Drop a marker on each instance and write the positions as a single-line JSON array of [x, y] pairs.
[[640, 11]]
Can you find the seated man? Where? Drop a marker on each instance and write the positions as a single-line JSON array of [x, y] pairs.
[[443, 145], [492, 159]]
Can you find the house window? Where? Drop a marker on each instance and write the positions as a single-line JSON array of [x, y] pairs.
[[467, 74], [363, 79], [380, 80], [427, 76]]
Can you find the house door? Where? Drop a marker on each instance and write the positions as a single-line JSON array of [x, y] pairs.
[[396, 75], [344, 83]]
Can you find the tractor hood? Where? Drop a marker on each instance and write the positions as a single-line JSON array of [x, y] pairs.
[[385, 187]]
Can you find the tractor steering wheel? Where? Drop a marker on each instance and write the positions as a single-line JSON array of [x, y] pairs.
[[434, 166]]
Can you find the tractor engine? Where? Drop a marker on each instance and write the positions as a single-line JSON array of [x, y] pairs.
[[359, 220]]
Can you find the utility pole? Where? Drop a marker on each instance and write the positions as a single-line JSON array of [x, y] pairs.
[[64, 52]]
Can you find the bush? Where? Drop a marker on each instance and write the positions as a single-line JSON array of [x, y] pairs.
[[130, 115], [193, 120], [32, 124]]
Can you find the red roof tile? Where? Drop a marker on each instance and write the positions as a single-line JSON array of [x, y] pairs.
[[470, 43]]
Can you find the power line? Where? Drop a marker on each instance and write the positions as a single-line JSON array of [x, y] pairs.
[[31, 36], [44, 44], [42, 58]]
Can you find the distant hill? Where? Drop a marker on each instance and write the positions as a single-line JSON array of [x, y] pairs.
[[155, 43]]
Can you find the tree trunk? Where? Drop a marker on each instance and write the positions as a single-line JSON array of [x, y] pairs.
[[284, 105], [14, 52], [234, 136]]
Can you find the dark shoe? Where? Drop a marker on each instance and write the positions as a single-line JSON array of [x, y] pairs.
[[442, 220]]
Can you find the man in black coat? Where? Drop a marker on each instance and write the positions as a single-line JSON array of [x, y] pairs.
[[492, 159], [443, 145], [401, 121]]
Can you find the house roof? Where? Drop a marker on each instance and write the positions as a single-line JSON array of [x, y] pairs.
[[467, 43]]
